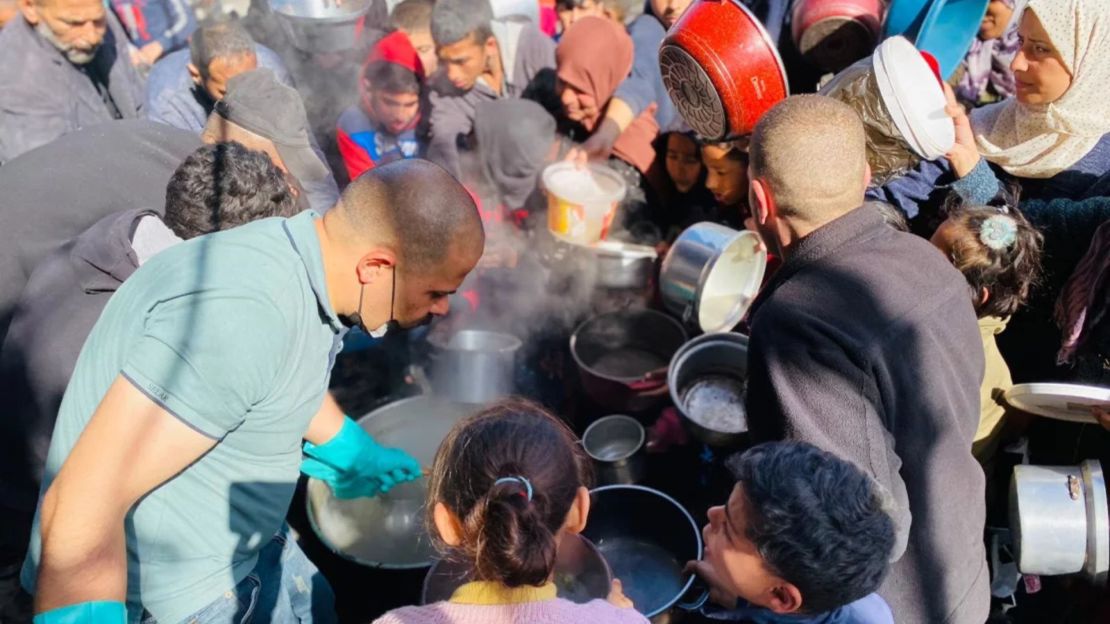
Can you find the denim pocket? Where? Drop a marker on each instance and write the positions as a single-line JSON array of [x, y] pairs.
[[236, 606]]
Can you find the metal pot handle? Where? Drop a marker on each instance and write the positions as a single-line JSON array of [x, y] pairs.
[[697, 603]]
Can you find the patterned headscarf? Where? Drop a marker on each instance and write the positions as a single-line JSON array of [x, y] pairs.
[[988, 62]]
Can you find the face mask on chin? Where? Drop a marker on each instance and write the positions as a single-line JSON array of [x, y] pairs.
[[384, 328]]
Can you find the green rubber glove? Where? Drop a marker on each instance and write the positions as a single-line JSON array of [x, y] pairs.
[[354, 465], [98, 612]]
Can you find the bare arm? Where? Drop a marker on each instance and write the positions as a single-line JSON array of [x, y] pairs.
[[326, 423], [130, 446]]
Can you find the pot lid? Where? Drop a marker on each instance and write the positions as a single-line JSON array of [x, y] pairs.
[[730, 283], [913, 97], [1068, 402]]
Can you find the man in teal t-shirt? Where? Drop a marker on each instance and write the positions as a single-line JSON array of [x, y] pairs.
[[178, 442]]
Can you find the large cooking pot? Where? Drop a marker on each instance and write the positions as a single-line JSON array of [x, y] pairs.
[[387, 531], [707, 381], [944, 28], [581, 574], [473, 366], [711, 275], [721, 68], [615, 351], [833, 34], [615, 443], [321, 26], [647, 537], [1058, 517]]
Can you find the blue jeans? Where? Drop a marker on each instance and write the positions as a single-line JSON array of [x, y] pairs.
[[283, 587]]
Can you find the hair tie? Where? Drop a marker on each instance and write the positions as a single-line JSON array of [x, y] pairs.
[[521, 480], [998, 232]]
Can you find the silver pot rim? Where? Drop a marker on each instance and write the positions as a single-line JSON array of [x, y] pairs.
[[610, 418]]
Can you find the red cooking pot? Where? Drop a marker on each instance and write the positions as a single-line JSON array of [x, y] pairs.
[[833, 34], [722, 69]]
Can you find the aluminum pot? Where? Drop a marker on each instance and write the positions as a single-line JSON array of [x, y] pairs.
[[581, 574], [708, 410], [623, 265], [647, 537], [711, 275], [387, 531], [1058, 517], [473, 366], [616, 446], [615, 352], [722, 69], [321, 26]]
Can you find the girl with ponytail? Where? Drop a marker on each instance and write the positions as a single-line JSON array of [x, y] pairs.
[[508, 484]]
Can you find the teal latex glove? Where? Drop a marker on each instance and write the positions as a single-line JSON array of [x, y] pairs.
[[354, 465], [99, 612]]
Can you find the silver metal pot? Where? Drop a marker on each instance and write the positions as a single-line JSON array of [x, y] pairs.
[[321, 26], [711, 275], [623, 265], [703, 377], [616, 446], [473, 366], [387, 531], [1058, 516]]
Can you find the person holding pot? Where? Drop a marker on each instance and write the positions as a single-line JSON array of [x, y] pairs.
[[865, 344], [178, 443]]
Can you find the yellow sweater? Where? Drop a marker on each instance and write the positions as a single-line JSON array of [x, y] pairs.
[[996, 381]]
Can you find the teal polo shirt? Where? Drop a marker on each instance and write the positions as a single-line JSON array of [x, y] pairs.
[[233, 334]]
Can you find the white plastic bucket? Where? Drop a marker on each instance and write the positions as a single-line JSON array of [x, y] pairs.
[[581, 202]]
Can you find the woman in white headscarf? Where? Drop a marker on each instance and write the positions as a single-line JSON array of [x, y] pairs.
[[1051, 137]]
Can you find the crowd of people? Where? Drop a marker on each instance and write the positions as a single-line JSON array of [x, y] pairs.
[[194, 214]]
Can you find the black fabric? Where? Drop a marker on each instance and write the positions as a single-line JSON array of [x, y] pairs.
[[865, 343], [58, 191]]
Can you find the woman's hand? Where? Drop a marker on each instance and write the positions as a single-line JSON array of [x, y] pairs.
[[1102, 414], [617, 597], [964, 154]]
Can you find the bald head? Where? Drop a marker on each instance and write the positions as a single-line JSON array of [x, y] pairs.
[[414, 207], [809, 151]]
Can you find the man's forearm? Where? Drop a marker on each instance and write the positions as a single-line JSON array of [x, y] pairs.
[[326, 423]]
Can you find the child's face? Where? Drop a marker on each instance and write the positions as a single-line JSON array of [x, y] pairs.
[[727, 177], [737, 568], [683, 163], [569, 14], [425, 47], [394, 111]]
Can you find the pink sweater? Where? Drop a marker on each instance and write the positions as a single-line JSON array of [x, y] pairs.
[[557, 611]]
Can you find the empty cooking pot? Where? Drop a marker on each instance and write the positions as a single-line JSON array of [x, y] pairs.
[[721, 68], [616, 446], [711, 275], [581, 574], [473, 366], [1058, 517], [833, 34], [647, 537], [387, 531], [321, 26], [708, 382], [616, 351]]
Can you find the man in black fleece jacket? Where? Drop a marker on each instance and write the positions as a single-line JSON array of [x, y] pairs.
[[865, 344]]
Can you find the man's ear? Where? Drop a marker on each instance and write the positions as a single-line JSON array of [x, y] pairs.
[[764, 208], [785, 598], [30, 11], [194, 73], [375, 264], [447, 525]]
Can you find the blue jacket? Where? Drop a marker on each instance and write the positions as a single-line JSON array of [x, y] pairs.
[[168, 22]]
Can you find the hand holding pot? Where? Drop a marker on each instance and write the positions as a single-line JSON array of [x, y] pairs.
[[354, 465], [617, 597], [964, 154]]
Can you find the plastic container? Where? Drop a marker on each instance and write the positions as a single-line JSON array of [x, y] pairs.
[[944, 28], [581, 202]]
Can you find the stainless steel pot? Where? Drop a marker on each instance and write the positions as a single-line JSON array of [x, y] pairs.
[[703, 379], [711, 275], [623, 265], [1058, 517], [387, 531], [616, 446], [473, 366], [616, 351], [321, 26]]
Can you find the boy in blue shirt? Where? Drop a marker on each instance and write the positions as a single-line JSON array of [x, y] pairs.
[[804, 539]]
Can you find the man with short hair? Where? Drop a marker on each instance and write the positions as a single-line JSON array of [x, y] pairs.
[[190, 400], [865, 344], [482, 59], [217, 187], [414, 18], [65, 66], [183, 88]]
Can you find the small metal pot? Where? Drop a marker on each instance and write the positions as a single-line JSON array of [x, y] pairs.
[[1058, 517], [709, 355], [711, 275], [474, 366], [321, 26], [616, 351], [616, 446], [623, 265]]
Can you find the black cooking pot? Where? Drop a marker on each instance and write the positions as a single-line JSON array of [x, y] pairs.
[[647, 538], [616, 351]]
